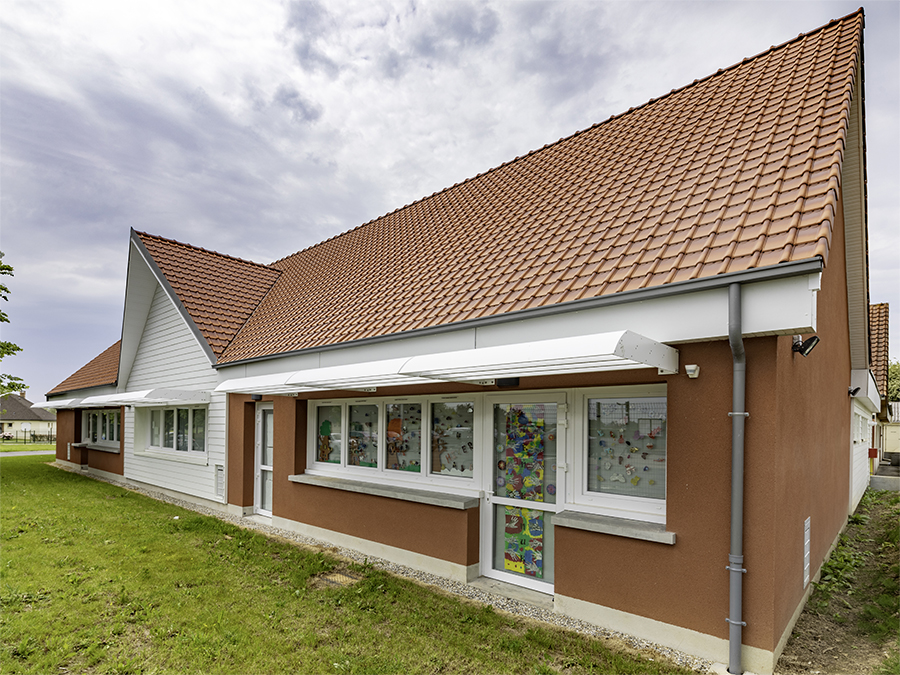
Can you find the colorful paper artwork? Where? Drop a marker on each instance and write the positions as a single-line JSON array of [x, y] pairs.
[[524, 456], [523, 540]]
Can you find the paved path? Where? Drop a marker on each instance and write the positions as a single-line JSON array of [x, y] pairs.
[[27, 453]]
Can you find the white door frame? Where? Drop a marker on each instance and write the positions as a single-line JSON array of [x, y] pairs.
[[259, 468], [559, 397]]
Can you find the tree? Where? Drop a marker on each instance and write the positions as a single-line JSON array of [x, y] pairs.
[[894, 381], [8, 383]]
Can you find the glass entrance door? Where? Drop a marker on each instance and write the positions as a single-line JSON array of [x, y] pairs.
[[264, 433], [527, 476]]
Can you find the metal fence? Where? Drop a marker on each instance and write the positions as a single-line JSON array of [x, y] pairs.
[[26, 437]]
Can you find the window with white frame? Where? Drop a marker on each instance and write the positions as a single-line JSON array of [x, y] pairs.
[[177, 429], [102, 427], [425, 439], [621, 466]]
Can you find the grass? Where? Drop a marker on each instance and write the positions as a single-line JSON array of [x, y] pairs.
[[94, 578], [31, 447]]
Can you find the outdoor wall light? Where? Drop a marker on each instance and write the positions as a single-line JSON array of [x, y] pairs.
[[256, 397], [693, 371], [853, 391], [804, 347], [507, 382]]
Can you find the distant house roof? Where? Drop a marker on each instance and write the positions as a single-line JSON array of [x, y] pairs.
[[18, 408], [880, 344], [101, 371]]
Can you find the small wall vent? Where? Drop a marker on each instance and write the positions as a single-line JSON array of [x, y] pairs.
[[220, 480]]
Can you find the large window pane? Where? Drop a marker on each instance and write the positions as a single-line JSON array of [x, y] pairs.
[[183, 430], [404, 436], [95, 423], [155, 427], [104, 433], [268, 434], [452, 440], [328, 434], [118, 426], [169, 428], [198, 430], [525, 451], [362, 448], [627, 447]]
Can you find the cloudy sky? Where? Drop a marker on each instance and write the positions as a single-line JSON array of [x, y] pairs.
[[258, 129]]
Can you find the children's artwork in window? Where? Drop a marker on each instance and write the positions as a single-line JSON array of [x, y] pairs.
[[452, 439], [362, 448], [404, 436], [328, 434], [523, 541], [627, 447], [525, 452]]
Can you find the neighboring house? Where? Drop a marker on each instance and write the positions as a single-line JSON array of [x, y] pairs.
[[892, 436], [879, 340], [545, 374], [18, 420]]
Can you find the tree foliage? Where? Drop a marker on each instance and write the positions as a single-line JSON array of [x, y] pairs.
[[8, 383], [894, 381]]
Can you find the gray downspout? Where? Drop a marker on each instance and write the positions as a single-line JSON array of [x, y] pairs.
[[738, 415]]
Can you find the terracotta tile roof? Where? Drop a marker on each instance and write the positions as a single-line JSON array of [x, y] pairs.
[[736, 171], [103, 370], [219, 292], [18, 408], [879, 340]]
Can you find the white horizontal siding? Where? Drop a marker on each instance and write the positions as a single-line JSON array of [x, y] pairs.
[[168, 356], [859, 455]]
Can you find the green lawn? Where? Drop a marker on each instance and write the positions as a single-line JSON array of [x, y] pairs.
[[30, 447], [94, 578]]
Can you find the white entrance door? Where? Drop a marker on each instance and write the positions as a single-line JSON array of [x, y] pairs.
[[526, 472], [264, 432]]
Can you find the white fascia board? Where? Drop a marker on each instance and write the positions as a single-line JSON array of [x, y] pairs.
[[774, 306], [868, 389]]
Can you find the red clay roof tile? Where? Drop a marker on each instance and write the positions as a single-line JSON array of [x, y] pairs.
[[879, 342]]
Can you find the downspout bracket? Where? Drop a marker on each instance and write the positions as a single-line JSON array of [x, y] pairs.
[[736, 623], [741, 414]]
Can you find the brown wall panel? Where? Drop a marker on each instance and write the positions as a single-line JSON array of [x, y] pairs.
[[446, 534], [65, 432], [108, 461], [812, 465], [241, 430]]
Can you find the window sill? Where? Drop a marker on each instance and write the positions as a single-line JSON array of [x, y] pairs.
[[102, 448], [444, 499], [172, 457], [620, 527]]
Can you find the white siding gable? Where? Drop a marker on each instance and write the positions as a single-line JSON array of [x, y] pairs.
[[168, 356]]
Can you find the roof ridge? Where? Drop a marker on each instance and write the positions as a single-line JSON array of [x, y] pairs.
[[719, 72], [205, 250]]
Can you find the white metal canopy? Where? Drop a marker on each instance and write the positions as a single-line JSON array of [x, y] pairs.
[[61, 404], [618, 350], [145, 398]]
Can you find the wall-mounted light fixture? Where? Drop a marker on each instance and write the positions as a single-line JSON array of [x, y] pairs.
[[804, 347], [507, 382], [256, 397], [853, 391], [693, 371]]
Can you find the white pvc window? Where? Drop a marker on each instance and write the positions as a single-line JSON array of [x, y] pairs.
[[621, 451], [180, 430], [428, 439], [102, 427]]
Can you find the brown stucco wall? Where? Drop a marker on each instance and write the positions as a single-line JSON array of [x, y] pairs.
[[812, 465], [241, 430], [68, 430]]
